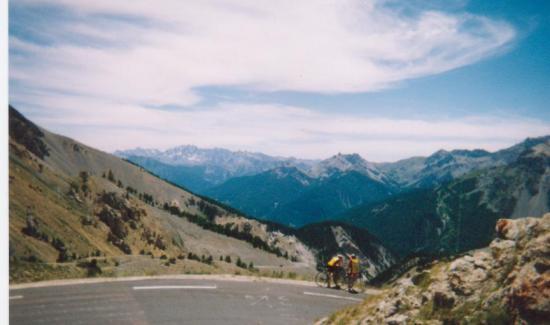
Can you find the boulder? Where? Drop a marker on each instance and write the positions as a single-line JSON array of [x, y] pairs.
[[397, 320], [506, 229], [530, 296]]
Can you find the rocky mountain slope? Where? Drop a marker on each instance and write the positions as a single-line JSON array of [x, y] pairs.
[[460, 215], [506, 283], [331, 238], [72, 207]]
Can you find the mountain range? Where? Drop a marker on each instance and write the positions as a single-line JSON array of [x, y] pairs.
[[76, 211], [70, 203], [198, 168], [297, 194]]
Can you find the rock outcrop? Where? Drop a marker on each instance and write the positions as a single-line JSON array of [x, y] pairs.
[[505, 283]]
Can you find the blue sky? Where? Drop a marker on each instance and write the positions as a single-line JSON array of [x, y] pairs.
[[387, 79]]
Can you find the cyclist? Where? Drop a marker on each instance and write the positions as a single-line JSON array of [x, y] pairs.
[[353, 271], [334, 267]]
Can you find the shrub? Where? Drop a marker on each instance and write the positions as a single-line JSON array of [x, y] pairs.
[[58, 244], [111, 176], [86, 221], [159, 243], [114, 222], [33, 259], [194, 257], [63, 257], [93, 269], [240, 263]]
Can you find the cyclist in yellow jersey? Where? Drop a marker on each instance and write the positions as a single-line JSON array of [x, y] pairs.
[[353, 271], [333, 268]]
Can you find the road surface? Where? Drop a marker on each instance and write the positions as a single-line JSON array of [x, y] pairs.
[[176, 301]]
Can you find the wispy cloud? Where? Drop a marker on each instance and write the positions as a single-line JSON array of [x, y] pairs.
[[157, 52], [90, 69], [278, 130]]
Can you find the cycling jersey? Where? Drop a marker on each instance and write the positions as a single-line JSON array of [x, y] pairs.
[[335, 261], [354, 265]]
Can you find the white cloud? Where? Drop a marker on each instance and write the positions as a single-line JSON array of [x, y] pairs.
[[277, 130], [98, 70], [172, 47]]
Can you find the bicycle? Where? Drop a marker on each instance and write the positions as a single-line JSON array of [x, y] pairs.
[[360, 284]]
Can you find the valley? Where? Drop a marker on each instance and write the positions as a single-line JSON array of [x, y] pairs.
[[438, 205], [76, 211], [276, 162]]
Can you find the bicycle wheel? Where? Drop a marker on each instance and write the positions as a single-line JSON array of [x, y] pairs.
[[321, 279]]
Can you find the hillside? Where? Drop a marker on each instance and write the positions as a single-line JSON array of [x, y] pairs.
[[264, 194], [331, 238], [293, 197], [505, 283], [70, 203], [331, 196], [459, 215], [77, 211]]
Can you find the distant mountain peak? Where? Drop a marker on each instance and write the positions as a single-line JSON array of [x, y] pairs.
[[343, 163]]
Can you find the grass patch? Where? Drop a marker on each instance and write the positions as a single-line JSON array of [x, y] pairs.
[[23, 272]]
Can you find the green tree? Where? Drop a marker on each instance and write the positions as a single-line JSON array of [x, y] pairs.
[[111, 176]]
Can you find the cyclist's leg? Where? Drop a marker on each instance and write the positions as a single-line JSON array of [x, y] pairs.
[[352, 278], [336, 277]]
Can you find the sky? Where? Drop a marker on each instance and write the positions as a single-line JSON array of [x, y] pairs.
[[386, 79]]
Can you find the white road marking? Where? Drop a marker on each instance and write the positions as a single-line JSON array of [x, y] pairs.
[[260, 299], [330, 296], [16, 297], [175, 287]]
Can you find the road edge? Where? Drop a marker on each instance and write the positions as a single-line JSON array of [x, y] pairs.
[[215, 277]]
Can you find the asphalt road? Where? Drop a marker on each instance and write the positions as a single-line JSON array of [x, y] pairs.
[[176, 301]]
